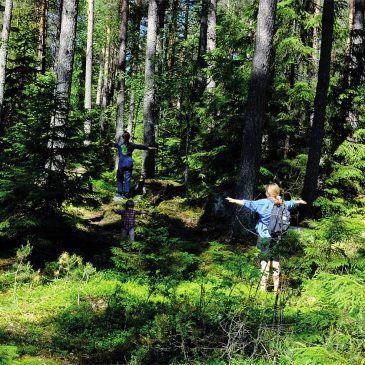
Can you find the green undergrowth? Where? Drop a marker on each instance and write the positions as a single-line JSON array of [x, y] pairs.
[[173, 299]]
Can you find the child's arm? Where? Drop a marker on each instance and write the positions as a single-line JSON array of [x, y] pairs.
[[118, 211], [291, 204], [235, 201], [300, 201]]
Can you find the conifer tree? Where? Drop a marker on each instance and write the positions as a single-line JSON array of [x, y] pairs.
[[320, 103], [256, 105]]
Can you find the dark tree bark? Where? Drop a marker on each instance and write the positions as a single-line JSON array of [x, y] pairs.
[[43, 9], [121, 68], [256, 105], [200, 82], [320, 102]]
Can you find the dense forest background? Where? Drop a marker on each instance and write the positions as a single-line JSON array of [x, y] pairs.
[[234, 94]]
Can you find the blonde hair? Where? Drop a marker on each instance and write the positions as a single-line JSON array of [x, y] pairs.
[[273, 192]]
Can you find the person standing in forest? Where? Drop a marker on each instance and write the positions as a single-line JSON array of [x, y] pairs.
[[268, 245], [128, 216], [125, 164]]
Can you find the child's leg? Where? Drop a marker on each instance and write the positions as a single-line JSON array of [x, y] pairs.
[[131, 234], [265, 270], [276, 275], [124, 234]]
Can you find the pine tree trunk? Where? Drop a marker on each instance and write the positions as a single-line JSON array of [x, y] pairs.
[[316, 40], [89, 55], [63, 69], [200, 83], [121, 68], [211, 38], [100, 78], [320, 103], [58, 33], [42, 35], [172, 35], [4, 49], [104, 89], [256, 105], [149, 107], [357, 50], [89, 68], [134, 67]]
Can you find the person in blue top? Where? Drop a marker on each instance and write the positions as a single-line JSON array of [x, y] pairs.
[[125, 164], [263, 207]]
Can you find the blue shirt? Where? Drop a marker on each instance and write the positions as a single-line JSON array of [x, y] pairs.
[[263, 208]]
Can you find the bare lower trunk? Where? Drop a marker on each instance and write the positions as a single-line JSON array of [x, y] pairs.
[[320, 103], [63, 69], [4, 49], [256, 106], [121, 67], [148, 166]]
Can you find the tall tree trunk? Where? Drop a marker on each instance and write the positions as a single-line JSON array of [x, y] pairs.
[[320, 103], [42, 35], [134, 66], [89, 67], [89, 55], [316, 40], [100, 77], [104, 89], [357, 50], [183, 53], [4, 49], [172, 35], [256, 105], [58, 33], [63, 70], [202, 50], [211, 38], [148, 166], [121, 68]]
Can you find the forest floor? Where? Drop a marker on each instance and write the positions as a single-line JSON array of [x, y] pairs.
[[86, 297]]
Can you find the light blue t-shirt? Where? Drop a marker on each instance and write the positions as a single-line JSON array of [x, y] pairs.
[[263, 208]]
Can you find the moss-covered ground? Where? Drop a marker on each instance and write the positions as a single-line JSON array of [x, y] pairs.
[[175, 295]]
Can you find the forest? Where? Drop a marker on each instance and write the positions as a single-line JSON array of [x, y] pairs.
[[144, 147]]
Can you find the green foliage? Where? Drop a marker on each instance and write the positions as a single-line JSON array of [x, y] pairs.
[[345, 185], [28, 186], [7, 354]]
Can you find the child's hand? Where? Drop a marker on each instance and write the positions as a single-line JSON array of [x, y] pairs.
[[301, 201], [230, 200]]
